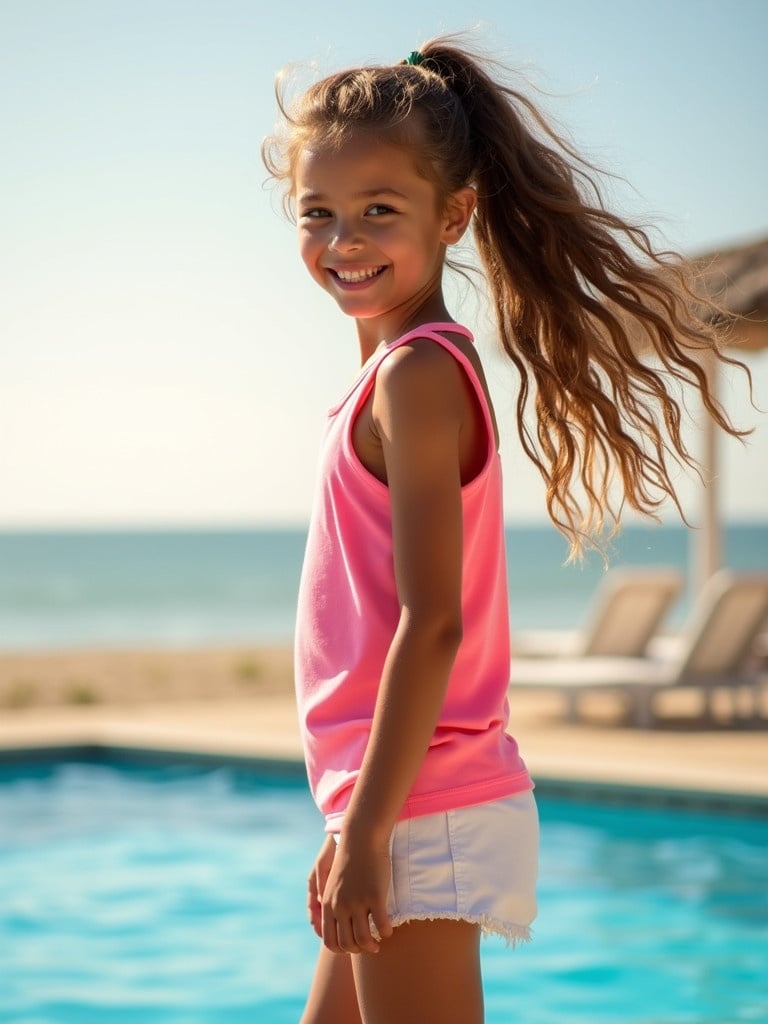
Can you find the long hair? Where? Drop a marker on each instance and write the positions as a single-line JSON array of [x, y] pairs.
[[604, 330]]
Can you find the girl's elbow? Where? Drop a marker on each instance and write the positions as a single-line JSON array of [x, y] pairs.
[[443, 631], [452, 635]]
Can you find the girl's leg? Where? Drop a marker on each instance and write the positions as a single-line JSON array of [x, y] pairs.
[[332, 998], [427, 972]]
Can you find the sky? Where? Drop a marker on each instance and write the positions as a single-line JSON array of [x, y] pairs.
[[165, 358]]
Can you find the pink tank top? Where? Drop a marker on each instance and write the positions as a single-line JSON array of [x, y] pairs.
[[348, 611]]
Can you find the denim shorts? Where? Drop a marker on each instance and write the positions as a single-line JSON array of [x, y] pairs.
[[476, 864]]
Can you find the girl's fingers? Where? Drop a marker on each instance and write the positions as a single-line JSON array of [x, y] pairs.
[[329, 933], [316, 884], [381, 920], [361, 928], [345, 933], [349, 934], [313, 906]]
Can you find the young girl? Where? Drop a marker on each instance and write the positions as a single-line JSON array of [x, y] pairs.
[[402, 645]]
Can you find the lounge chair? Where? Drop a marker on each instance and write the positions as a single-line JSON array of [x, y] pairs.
[[627, 608], [715, 650]]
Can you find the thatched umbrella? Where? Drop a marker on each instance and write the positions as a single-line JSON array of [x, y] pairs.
[[736, 278]]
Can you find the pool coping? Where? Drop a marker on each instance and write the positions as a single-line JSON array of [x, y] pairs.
[[645, 794]]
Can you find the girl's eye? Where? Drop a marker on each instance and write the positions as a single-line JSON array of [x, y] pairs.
[[315, 213], [379, 209]]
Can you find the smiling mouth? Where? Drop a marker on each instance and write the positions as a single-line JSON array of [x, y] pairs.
[[357, 276]]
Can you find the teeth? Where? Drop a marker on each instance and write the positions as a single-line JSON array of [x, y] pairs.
[[354, 276]]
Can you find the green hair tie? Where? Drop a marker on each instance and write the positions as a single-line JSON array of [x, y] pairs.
[[414, 57]]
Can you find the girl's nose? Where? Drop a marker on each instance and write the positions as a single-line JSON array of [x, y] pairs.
[[345, 239]]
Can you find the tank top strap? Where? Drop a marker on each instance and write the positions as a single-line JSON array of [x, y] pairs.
[[433, 332]]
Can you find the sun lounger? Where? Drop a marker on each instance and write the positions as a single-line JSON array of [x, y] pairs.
[[714, 651], [626, 611]]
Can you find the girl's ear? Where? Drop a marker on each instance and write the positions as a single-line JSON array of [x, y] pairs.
[[458, 213]]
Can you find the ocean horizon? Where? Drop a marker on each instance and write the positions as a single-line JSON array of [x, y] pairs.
[[186, 587]]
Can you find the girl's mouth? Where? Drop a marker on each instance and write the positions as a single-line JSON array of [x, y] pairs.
[[355, 277]]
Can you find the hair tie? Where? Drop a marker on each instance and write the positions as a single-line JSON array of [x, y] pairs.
[[414, 57]]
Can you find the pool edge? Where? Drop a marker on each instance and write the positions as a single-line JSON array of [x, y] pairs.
[[649, 794]]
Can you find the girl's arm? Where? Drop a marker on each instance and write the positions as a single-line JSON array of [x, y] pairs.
[[419, 406]]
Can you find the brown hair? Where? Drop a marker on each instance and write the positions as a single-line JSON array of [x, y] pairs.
[[601, 327]]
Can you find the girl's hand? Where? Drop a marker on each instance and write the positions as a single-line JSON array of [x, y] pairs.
[[354, 894], [317, 879]]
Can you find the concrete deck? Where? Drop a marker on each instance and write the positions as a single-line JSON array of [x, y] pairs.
[[680, 754]]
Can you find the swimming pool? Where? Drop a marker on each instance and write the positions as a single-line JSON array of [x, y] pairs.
[[174, 894]]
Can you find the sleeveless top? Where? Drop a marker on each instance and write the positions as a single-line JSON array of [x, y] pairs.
[[348, 612]]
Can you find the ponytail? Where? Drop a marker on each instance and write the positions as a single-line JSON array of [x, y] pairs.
[[585, 307]]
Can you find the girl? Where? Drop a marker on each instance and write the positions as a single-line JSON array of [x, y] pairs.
[[402, 649]]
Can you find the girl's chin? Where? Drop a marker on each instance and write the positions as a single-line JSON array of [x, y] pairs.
[[358, 307]]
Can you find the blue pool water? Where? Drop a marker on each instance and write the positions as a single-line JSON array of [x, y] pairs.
[[175, 895]]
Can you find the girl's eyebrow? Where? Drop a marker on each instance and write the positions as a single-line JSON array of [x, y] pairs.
[[368, 193]]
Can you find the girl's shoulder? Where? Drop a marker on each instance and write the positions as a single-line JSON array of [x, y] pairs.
[[439, 371], [452, 350], [428, 359]]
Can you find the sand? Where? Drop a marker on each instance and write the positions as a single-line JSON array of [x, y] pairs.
[[80, 678]]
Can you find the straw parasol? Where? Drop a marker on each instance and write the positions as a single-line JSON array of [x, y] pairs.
[[736, 278]]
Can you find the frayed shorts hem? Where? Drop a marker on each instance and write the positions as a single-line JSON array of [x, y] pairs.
[[513, 934]]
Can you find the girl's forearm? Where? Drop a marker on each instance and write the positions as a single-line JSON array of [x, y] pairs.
[[411, 694]]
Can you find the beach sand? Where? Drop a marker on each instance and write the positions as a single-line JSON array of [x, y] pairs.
[[239, 701], [84, 678]]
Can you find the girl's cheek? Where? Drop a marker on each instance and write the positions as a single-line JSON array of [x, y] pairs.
[[308, 247]]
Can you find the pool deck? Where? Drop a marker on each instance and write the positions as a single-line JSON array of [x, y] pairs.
[[680, 754]]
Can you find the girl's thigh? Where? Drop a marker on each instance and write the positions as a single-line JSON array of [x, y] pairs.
[[427, 972], [332, 998]]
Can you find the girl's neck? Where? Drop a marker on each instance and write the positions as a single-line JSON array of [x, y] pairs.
[[377, 331]]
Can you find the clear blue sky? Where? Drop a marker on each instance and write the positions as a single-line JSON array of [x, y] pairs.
[[163, 356]]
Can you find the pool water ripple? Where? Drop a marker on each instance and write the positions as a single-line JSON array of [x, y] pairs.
[[176, 896]]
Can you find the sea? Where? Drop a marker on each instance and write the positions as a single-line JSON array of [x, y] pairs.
[[209, 587]]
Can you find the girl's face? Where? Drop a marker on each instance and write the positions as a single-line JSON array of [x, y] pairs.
[[371, 232]]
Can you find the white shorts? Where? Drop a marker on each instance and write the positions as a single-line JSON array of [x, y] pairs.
[[475, 864]]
